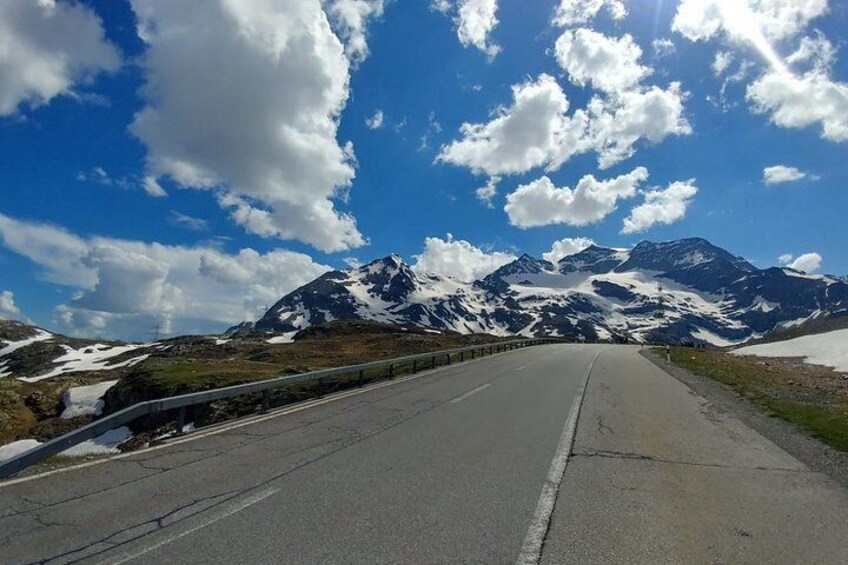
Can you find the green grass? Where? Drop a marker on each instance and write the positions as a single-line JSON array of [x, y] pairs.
[[809, 405]]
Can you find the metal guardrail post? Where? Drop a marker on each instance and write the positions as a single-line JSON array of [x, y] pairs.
[[319, 388], [266, 402], [461, 356], [433, 362], [449, 358], [472, 354], [360, 378], [414, 366], [181, 416], [391, 372]]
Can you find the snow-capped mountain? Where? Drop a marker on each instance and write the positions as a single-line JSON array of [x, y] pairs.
[[685, 290]]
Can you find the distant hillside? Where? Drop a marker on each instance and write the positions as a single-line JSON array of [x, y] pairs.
[[685, 291]]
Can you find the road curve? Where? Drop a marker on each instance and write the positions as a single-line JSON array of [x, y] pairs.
[[451, 467]]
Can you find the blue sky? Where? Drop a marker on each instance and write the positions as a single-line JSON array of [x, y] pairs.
[[112, 223]]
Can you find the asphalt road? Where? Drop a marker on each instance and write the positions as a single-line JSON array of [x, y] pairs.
[[462, 465]]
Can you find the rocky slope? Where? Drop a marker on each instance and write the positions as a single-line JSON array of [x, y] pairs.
[[685, 291]]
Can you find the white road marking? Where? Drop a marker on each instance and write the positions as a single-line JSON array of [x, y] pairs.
[[521, 368], [229, 511], [462, 397], [531, 551]]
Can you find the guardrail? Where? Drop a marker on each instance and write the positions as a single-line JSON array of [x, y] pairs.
[[180, 402]]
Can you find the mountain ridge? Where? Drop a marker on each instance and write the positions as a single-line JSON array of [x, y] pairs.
[[686, 290]]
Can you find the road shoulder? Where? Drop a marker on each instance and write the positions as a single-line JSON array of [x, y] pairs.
[[810, 451]]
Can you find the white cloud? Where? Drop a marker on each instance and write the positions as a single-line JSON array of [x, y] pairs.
[[663, 47], [245, 98], [801, 101], [781, 173], [574, 12], [125, 288], [8, 309], [350, 19], [793, 98], [458, 259], [808, 262], [652, 114], [541, 203], [751, 21], [565, 247], [179, 219], [153, 188], [48, 49], [722, 60], [537, 131], [488, 191], [533, 132], [605, 63], [475, 20], [785, 259], [661, 207], [375, 121]]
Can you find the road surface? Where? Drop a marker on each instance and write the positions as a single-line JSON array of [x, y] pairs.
[[484, 462]]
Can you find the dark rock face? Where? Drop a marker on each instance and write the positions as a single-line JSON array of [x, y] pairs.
[[687, 290]]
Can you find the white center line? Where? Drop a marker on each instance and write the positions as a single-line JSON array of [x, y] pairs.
[[229, 511], [462, 397], [531, 551]]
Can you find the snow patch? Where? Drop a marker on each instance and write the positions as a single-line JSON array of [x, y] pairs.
[[101, 445], [15, 448], [12, 346], [828, 349], [287, 337], [713, 339], [85, 400], [90, 358]]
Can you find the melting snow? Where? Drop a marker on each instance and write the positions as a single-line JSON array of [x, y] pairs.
[[90, 358], [828, 349], [713, 339], [84, 400], [15, 345], [16, 448], [101, 445], [287, 337]]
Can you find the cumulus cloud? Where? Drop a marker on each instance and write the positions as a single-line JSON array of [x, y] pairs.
[[475, 20], [808, 262], [801, 101], [8, 309], [49, 49], [749, 21], [458, 259], [795, 92], [244, 98], [536, 130], [652, 114], [779, 174], [124, 288], [350, 20], [606, 63], [661, 207], [541, 203], [375, 121], [565, 247], [533, 132], [574, 12], [488, 191]]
